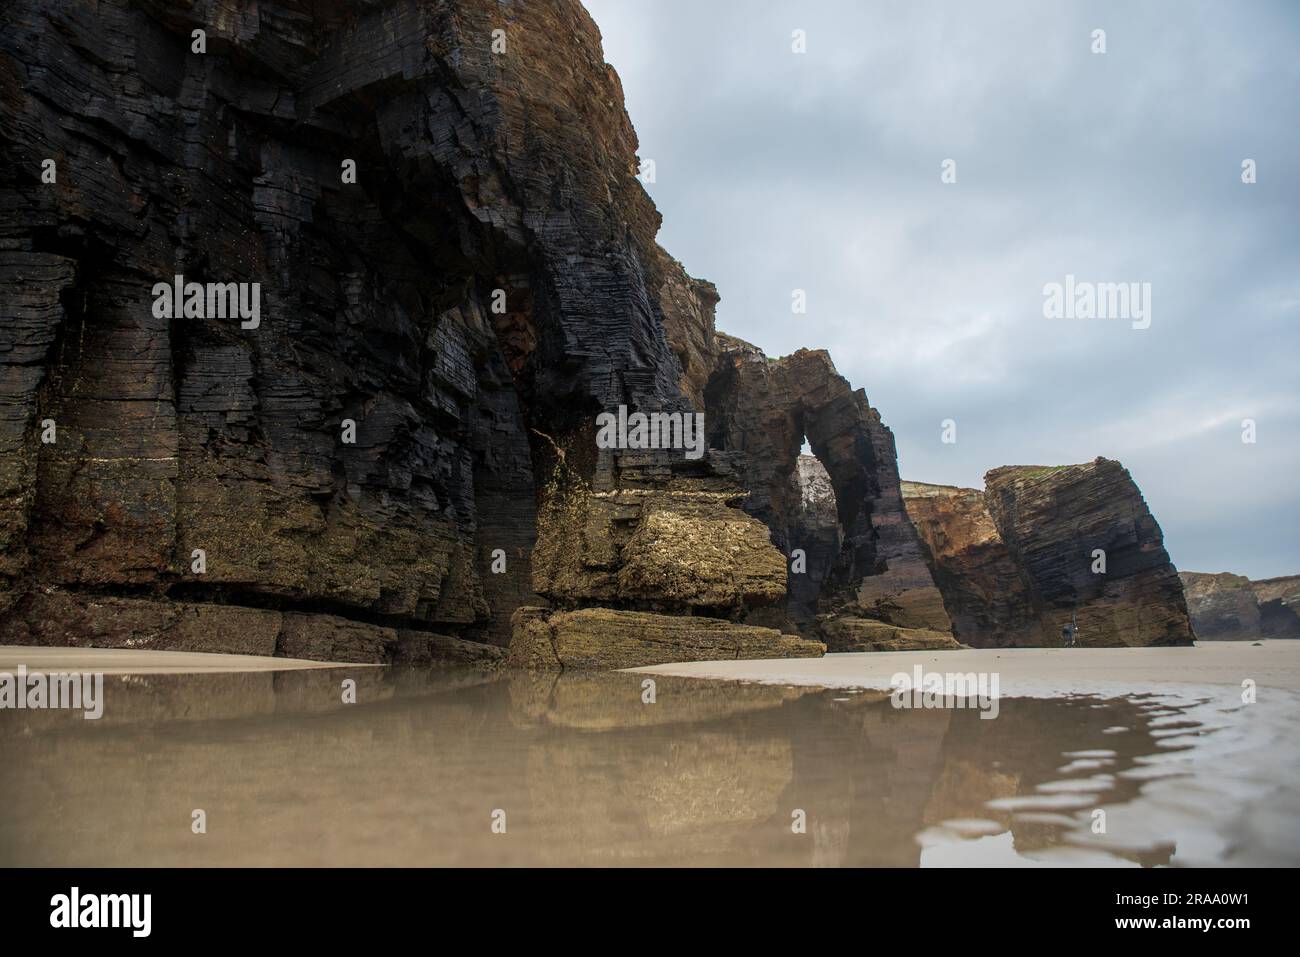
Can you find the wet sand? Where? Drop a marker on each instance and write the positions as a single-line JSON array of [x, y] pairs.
[[1030, 672], [589, 771], [128, 661], [1024, 672]]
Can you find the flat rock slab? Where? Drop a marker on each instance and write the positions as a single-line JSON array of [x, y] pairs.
[[607, 639]]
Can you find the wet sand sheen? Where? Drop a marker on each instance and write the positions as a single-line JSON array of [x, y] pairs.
[[588, 773], [130, 661], [1033, 672]]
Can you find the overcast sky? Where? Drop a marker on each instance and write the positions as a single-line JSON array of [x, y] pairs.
[[821, 171]]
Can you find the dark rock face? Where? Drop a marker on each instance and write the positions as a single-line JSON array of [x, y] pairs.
[[1227, 607], [1222, 607], [194, 433], [398, 451], [1279, 606], [466, 304], [814, 527], [1018, 562], [765, 408]]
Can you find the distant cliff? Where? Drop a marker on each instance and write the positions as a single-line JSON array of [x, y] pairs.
[[1231, 607]]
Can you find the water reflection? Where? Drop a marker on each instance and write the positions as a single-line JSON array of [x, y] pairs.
[[586, 773]]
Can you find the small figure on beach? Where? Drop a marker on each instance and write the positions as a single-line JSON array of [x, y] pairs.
[[1069, 633]]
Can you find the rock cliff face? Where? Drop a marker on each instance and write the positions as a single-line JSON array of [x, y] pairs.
[[1043, 545], [988, 594], [1231, 607], [1222, 607], [1279, 606], [765, 408], [814, 527], [394, 457], [435, 207]]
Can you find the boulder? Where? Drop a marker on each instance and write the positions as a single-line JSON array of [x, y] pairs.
[[846, 633]]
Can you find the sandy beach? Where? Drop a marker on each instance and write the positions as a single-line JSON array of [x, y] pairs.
[[1024, 672], [1030, 672], [127, 661]]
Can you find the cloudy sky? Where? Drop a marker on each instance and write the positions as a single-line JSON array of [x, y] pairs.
[[821, 171]]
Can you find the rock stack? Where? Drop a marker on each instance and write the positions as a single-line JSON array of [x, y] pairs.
[[1041, 547]]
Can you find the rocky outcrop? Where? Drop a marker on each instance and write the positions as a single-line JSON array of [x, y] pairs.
[[1222, 607], [766, 408], [456, 271], [846, 633], [657, 532], [434, 205], [814, 528], [1044, 545], [1227, 607], [605, 638], [988, 595], [1279, 606]]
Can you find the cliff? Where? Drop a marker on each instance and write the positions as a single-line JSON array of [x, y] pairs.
[[1042, 546], [435, 207], [1279, 606], [1231, 607], [766, 408], [987, 594]]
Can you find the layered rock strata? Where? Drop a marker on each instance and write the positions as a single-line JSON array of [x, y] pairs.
[[1227, 607], [1042, 546], [1222, 606], [986, 592], [434, 205], [456, 270], [603, 638], [1279, 606], [766, 408], [813, 527]]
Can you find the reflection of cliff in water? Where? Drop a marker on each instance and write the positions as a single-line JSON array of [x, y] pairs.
[[586, 772]]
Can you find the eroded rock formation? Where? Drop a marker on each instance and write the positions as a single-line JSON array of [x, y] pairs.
[[985, 591], [766, 408], [1041, 546], [603, 638], [1222, 606], [814, 527], [1279, 606], [1227, 607], [457, 271]]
